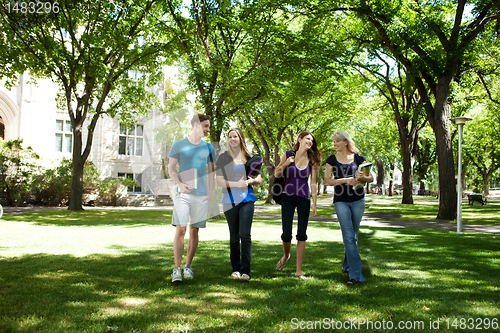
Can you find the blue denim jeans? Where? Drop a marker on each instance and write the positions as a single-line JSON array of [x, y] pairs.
[[288, 205], [349, 215], [239, 219]]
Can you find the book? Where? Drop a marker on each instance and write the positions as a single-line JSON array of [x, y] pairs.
[[190, 178], [365, 169]]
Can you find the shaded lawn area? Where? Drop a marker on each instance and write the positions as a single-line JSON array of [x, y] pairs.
[[100, 276]]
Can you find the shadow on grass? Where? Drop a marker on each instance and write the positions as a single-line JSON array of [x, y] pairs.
[[454, 276]]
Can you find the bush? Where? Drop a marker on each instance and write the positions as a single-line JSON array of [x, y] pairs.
[[18, 167], [22, 181], [109, 189], [53, 186]]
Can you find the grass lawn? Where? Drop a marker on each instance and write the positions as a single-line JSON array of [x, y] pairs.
[[109, 271]]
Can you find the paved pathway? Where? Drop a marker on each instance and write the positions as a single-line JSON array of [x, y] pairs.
[[389, 220]]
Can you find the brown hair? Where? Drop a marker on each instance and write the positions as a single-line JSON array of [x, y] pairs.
[[243, 145], [313, 154], [199, 118]]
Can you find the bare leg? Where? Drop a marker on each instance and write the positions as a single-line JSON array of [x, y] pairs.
[[192, 244], [301, 249], [286, 250], [180, 231]]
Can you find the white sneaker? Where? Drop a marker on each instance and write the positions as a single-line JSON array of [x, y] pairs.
[[176, 275], [188, 272]]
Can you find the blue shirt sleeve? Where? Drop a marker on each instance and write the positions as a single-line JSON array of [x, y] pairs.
[[211, 156], [174, 151]]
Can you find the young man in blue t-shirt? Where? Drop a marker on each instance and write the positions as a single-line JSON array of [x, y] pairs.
[[194, 189]]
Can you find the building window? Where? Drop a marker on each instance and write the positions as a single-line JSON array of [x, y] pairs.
[[131, 139], [64, 136], [137, 177]]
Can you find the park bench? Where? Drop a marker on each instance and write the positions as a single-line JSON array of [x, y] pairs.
[[477, 198]]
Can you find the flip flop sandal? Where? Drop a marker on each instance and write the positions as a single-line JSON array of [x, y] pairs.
[[280, 266], [235, 275], [301, 276]]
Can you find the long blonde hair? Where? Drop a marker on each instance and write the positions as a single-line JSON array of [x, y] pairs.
[[243, 145], [344, 136]]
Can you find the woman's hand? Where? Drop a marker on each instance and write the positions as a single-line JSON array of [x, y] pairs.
[[360, 176], [353, 182], [242, 183], [313, 213], [289, 160], [249, 181]]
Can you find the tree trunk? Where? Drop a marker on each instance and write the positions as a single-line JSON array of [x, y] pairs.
[[391, 179], [486, 181], [380, 174], [270, 170], [421, 190], [407, 176], [446, 165], [75, 202]]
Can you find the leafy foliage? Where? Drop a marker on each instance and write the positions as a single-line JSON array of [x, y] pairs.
[[18, 166], [223, 48], [481, 146]]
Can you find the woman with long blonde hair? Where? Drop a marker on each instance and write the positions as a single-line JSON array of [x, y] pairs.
[[349, 198]]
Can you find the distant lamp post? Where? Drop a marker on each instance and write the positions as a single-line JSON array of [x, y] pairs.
[[460, 121]]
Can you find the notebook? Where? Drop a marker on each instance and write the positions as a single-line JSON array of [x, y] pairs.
[[365, 169], [190, 178]]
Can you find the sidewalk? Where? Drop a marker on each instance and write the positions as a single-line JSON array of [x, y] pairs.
[[385, 220]]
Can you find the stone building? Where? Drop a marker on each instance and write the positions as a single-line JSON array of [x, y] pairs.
[[28, 111]]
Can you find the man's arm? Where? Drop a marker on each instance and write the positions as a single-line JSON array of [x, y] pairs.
[[172, 162]]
